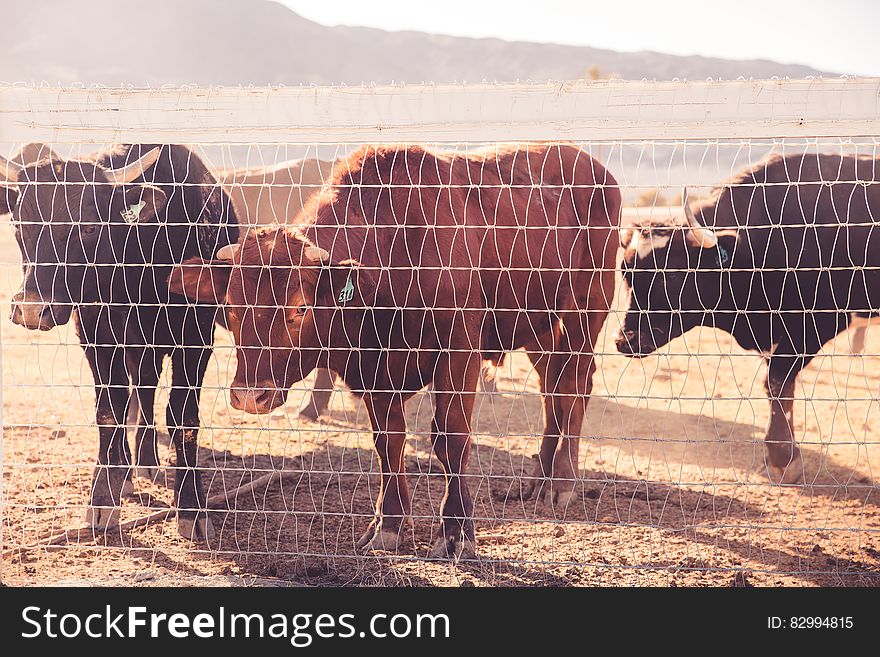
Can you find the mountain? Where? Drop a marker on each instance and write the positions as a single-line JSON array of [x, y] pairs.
[[259, 42]]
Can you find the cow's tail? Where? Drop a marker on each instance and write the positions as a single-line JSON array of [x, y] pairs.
[[600, 237], [597, 198]]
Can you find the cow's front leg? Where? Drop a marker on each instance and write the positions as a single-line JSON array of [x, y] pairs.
[[393, 504], [144, 369], [455, 383], [783, 459], [111, 478], [188, 371]]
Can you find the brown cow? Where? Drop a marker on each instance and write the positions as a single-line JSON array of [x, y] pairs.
[[276, 194], [414, 267]]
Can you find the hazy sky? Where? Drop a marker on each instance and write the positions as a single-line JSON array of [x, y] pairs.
[[841, 36]]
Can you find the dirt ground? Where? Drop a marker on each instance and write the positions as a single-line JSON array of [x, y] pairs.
[[672, 493]]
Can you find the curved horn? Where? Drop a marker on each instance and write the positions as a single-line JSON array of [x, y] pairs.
[[228, 252], [698, 235], [131, 171], [9, 170]]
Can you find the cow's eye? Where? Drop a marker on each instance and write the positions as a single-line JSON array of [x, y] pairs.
[[299, 312], [88, 229]]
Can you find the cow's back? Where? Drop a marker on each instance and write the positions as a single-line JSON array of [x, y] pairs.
[[553, 239], [806, 240], [509, 232], [275, 194]]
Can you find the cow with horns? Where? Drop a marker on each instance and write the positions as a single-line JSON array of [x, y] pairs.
[[790, 256], [412, 267], [276, 194], [98, 239]]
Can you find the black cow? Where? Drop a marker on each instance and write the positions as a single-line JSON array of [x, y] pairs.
[[98, 239], [793, 253]]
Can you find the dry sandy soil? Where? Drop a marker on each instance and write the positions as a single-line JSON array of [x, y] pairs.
[[672, 493]]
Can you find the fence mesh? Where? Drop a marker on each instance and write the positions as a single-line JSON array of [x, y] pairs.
[[671, 483]]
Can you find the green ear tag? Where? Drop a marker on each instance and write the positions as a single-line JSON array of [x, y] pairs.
[[133, 212], [347, 293]]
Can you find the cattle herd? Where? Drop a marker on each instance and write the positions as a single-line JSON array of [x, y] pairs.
[[397, 268]]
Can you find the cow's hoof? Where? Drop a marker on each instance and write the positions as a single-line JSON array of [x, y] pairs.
[[530, 490], [198, 529], [534, 487], [455, 548], [367, 536], [102, 518], [386, 540], [561, 499], [792, 473]]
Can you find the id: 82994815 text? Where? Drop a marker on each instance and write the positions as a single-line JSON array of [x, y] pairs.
[[810, 623]]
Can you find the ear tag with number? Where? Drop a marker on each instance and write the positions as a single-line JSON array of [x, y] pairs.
[[133, 212], [347, 293]]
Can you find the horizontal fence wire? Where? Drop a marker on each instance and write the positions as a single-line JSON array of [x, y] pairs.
[[516, 263]]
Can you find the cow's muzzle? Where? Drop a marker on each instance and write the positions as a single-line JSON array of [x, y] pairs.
[[629, 343], [36, 313], [260, 399]]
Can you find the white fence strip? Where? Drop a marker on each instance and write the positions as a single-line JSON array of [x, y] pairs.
[[594, 111]]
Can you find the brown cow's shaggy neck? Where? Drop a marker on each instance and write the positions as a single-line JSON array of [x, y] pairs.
[[335, 219]]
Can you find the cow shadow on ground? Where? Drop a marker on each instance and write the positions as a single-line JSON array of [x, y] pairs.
[[700, 448], [304, 527]]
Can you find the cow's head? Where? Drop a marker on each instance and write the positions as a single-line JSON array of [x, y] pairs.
[[672, 271], [71, 220], [284, 298]]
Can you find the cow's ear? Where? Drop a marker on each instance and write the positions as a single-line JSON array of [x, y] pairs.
[[350, 284], [8, 198], [142, 203], [626, 236], [204, 281]]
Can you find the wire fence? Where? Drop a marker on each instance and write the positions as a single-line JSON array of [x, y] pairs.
[[442, 334]]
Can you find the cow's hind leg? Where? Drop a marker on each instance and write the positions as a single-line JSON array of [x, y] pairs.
[[319, 398], [188, 365], [565, 385], [393, 502], [111, 479], [564, 361], [144, 368], [569, 386], [455, 382], [539, 352]]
